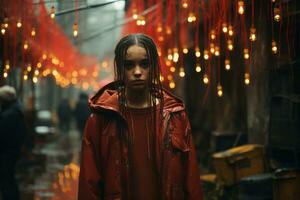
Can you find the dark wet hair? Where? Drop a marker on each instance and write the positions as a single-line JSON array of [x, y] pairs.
[[155, 86]]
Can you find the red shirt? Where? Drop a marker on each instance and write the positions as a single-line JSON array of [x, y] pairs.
[[144, 177]]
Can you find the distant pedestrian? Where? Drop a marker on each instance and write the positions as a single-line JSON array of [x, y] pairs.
[[64, 113], [82, 112], [12, 134]]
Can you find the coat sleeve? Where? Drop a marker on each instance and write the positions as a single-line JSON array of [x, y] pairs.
[[90, 179], [193, 182]]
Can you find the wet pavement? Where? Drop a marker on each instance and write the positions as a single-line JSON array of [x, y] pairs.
[[51, 171]]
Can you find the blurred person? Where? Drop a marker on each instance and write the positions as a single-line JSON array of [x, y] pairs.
[[137, 143], [12, 134], [64, 113], [82, 112]]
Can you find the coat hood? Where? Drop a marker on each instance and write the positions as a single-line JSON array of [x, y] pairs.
[[106, 99]]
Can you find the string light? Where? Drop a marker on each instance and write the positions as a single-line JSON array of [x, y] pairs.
[[39, 65], [213, 34], [247, 78], [36, 72], [159, 28], [3, 29], [212, 48], [44, 56], [29, 68], [185, 4], [217, 51], [191, 17], [5, 22], [197, 52], [161, 78], [224, 28], [175, 55], [35, 79], [172, 84], [134, 15], [229, 45], [25, 77], [220, 91], [205, 79], [241, 8], [252, 34], [5, 74], [230, 30], [19, 23], [33, 32], [277, 16], [52, 12], [75, 29], [170, 56], [168, 30], [141, 21], [25, 46], [274, 47], [181, 72], [205, 54], [246, 54], [172, 69], [7, 66], [198, 68], [185, 50], [227, 64]]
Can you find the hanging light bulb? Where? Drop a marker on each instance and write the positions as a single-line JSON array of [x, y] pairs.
[[198, 67], [277, 16], [141, 21], [217, 51], [175, 55], [220, 91], [181, 72], [170, 55], [205, 79], [241, 8], [185, 4], [172, 84], [213, 34], [247, 78], [7, 66], [5, 74], [134, 13], [205, 54], [161, 78], [25, 46], [212, 48], [39, 65], [185, 50], [246, 54], [197, 52], [44, 56], [191, 17], [5, 22], [19, 23], [172, 69], [229, 45], [3, 29], [274, 47], [33, 33], [224, 27], [75, 29], [168, 30], [25, 77], [252, 34], [159, 28], [52, 12], [29, 68], [227, 64], [230, 30], [34, 79]]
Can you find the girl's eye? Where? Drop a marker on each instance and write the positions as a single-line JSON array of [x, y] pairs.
[[128, 65]]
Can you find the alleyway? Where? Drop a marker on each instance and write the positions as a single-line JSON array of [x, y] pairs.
[[53, 171]]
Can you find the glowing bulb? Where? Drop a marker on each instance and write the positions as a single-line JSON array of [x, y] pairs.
[[185, 50], [227, 64], [191, 17], [198, 67], [224, 28], [35, 79], [172, 84], [25, 46], [39, 65], [29, 68], [168, 30], [33, 32], [44, 56], [217, 51], [185, 4], [277, 16], [246, 53], [25, 77], [161, 78], [274, 47], [197, 52], [75, 30], [3, 30], [141, 21], [5, 74], [213, 34], [19, 24], [205, 79], [205, 55], [230, 30], [220, 91], [172, 69], [229, 45], [241, 8], [212, 48], [7, 65], [247, 78], [168, 63], [52, 12], [159, 28], [181, 72], [175, 55], [5, 22], [36, 72], [170, 77], [252, 34]]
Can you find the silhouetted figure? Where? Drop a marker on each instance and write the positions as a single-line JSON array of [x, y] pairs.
[[82, 112], [12, 134], [64, 113]]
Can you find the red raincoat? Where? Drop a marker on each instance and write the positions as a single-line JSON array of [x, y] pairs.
[[104, 169]]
